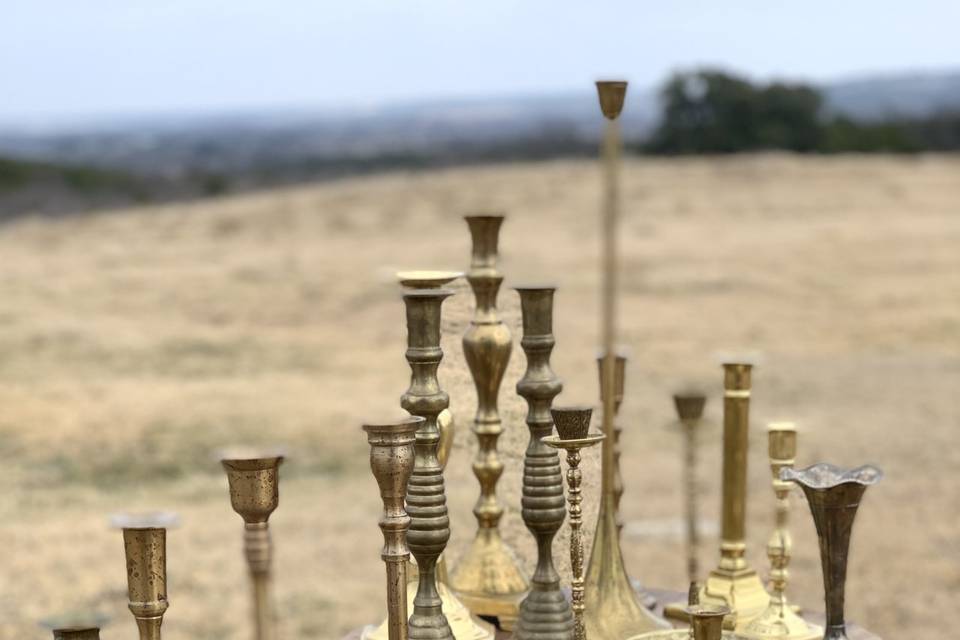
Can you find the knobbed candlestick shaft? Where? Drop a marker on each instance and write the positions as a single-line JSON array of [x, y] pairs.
[[545, 613], [391, 460], [426, 497], [146, 554], [254, 494], [488, 577]]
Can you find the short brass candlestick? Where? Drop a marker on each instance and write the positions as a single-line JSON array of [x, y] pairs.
[[707, 622], [614, 610], [545, 613], [426, 497], [465, 625], [689, 406], [834, 495], [573, 429], [488, 578], [254, 494], [145, 547], [733, 583], [77, 633], [391, 460], [779, 620]]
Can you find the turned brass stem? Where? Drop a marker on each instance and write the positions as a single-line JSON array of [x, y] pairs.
[[689, 406]]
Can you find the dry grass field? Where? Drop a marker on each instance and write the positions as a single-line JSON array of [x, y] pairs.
[[135, 343]]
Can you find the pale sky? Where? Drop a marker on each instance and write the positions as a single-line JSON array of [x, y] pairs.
[[61, 59]]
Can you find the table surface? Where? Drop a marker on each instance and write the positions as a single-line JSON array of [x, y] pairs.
[[853, 631]]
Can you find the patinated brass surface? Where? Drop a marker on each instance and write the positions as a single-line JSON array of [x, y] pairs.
[[77, 633], [619, 380], [465, 625], [573, 429], [689, 406], [145, 547], [834, 496], [391, 461], [488, 577], [779, 620], [614, 610], [545, 613], [253, 480], [426, 498], [733, 583]]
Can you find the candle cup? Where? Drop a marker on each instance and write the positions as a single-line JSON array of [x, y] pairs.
[[77, 633], [145, 547]]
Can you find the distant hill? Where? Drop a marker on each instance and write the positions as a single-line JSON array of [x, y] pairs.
[[895, 96]]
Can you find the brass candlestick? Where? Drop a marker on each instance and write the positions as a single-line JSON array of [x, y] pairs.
[[145, 547], [689, 406], [488, 578], [834, 496], [391, 460], [545, 613], [426, 498], [254, 495], [573, 427], [779, 620], [614, 611], [733, 583], [77, 633], [465, 625]]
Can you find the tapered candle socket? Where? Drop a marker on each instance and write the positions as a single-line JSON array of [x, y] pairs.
[[426, 498], [834, 496], [391, 460], [706, 621], [733, 583], [689, 405], [77, 633], [146, 552], [779, 620], [254, 494], [545, 613], [488, 577], [612, 94], [573, 427]]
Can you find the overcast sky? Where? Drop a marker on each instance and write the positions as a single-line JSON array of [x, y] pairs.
[[61, 59]]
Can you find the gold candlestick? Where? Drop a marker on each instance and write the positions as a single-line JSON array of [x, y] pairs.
[[545, 613], [465, 625], [614, 611], [779, 620], [689, 407], [254, 494], [391, 460], [426, 498], [733, 583], [573, 429], [145, 547], [488, 577], [77, 633]]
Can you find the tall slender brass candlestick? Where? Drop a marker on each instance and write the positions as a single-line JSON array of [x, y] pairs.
[[689, 407], [779, 620], [77, 633], [253, 480], [465, 625], [834, 496], [614, 611], [488, 578], [145, 547], [391, 460], [426, 498], [734, 583], [573, 429], [545, 613]]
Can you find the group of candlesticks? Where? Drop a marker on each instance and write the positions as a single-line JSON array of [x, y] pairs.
[[604, 603]]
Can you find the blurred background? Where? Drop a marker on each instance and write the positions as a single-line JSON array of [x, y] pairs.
[[203, 203]]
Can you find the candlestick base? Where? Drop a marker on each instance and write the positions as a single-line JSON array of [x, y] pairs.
[[780, 623], [741, 591], [488, 579], [464, 625]]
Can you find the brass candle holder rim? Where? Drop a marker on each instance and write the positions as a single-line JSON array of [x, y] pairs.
[[708, 610], [484, 216], [557, 442], [145, 520], [823, 475], [432, 278], [440, 292], [387, 423], [535, 286], [251, 458]]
